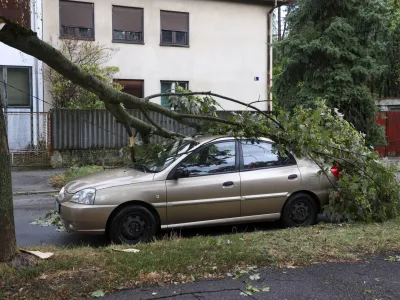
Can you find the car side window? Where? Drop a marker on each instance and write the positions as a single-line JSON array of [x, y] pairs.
[[261, 154], [213, 159]]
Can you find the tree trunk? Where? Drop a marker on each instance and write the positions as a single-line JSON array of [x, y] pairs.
[[7, 229]]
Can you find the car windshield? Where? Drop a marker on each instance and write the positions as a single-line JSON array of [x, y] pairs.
[[171, 153]]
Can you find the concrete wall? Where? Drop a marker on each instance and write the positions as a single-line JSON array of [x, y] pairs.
[[228, 46]]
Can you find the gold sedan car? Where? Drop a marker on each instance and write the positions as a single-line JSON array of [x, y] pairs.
[[203, 181]]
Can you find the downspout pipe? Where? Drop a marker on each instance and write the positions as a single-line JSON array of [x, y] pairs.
[[270, 19]]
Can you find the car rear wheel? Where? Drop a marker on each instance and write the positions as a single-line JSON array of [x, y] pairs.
[[299, 210], [131, 225]]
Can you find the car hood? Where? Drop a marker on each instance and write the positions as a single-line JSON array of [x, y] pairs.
[[107, 179]]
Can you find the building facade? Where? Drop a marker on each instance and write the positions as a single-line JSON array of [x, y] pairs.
[[21, 79], [202, 45]]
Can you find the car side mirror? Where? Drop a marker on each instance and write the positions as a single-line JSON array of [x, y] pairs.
[[181, 173]]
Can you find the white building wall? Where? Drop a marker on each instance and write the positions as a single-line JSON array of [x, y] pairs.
[[20, 127], [227, 46]]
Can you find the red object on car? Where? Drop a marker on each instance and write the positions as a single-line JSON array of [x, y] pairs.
[[335, 171]]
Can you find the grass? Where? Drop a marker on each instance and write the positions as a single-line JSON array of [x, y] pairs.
[[59, 180], [77, 272]]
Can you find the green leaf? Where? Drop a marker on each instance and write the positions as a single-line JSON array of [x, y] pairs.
[[98, 294], [255, 277]]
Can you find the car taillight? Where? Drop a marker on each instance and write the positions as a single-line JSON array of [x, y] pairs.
[[335, 171]]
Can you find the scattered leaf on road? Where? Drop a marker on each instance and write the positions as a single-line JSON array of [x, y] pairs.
[[395, 258], [255, 277]]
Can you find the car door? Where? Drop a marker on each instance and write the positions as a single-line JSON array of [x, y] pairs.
[[266, 178], [212, 190]]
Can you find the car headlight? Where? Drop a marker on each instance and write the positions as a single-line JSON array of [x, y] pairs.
[[85, 196]]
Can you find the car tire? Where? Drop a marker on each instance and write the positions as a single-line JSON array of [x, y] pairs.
[[131, 225], [300, 210]]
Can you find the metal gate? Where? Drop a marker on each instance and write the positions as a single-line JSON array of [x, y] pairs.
[[29, 138], [391, 121]]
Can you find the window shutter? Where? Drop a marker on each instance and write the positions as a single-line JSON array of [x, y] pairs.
[[17, 11], [127, 19], [76, 14], [174, 21]]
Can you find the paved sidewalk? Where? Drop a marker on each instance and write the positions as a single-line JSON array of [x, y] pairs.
[[376, 279], [31, 181]]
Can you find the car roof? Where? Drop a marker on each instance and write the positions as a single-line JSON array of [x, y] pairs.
[[202, 139]]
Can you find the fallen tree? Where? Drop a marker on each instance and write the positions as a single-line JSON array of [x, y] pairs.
[[368, 189]]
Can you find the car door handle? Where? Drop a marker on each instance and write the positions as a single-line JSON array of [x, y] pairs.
[[228, 184], [293, 176]]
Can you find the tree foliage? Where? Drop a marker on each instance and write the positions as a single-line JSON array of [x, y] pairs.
[[90, 57], [388, 84], [368, 189], [332, 51]]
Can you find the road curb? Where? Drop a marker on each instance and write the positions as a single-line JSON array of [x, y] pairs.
[[35, 192]]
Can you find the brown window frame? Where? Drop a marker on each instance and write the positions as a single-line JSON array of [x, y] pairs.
[[120, 81], [76, 35], [174, 32], [126, 41]]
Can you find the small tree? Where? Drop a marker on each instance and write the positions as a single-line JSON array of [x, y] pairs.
[[90, 57]]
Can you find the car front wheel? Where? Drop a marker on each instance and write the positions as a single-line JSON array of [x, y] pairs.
[[131, 225], [299, 210]]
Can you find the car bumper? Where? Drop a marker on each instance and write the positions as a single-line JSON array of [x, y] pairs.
[[90, 219]]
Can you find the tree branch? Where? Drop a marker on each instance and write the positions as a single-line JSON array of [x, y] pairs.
[[176, 115], [27, 41], [158, 126]]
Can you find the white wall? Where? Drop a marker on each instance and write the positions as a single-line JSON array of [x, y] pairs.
[[19, 131], [12, 57], [228, 46]]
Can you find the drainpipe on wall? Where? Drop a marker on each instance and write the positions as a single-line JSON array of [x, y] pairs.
[[270, 54]]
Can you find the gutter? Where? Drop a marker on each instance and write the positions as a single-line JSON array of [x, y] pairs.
[[270, 53]]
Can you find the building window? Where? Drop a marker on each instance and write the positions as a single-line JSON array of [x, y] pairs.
[[131, 87], [174, 28], [17, 11], [169, 87], [16, 89], [127, 24], [77, 20]]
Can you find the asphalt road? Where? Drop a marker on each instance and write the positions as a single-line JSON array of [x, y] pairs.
[[30, 207], [375, 279]]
